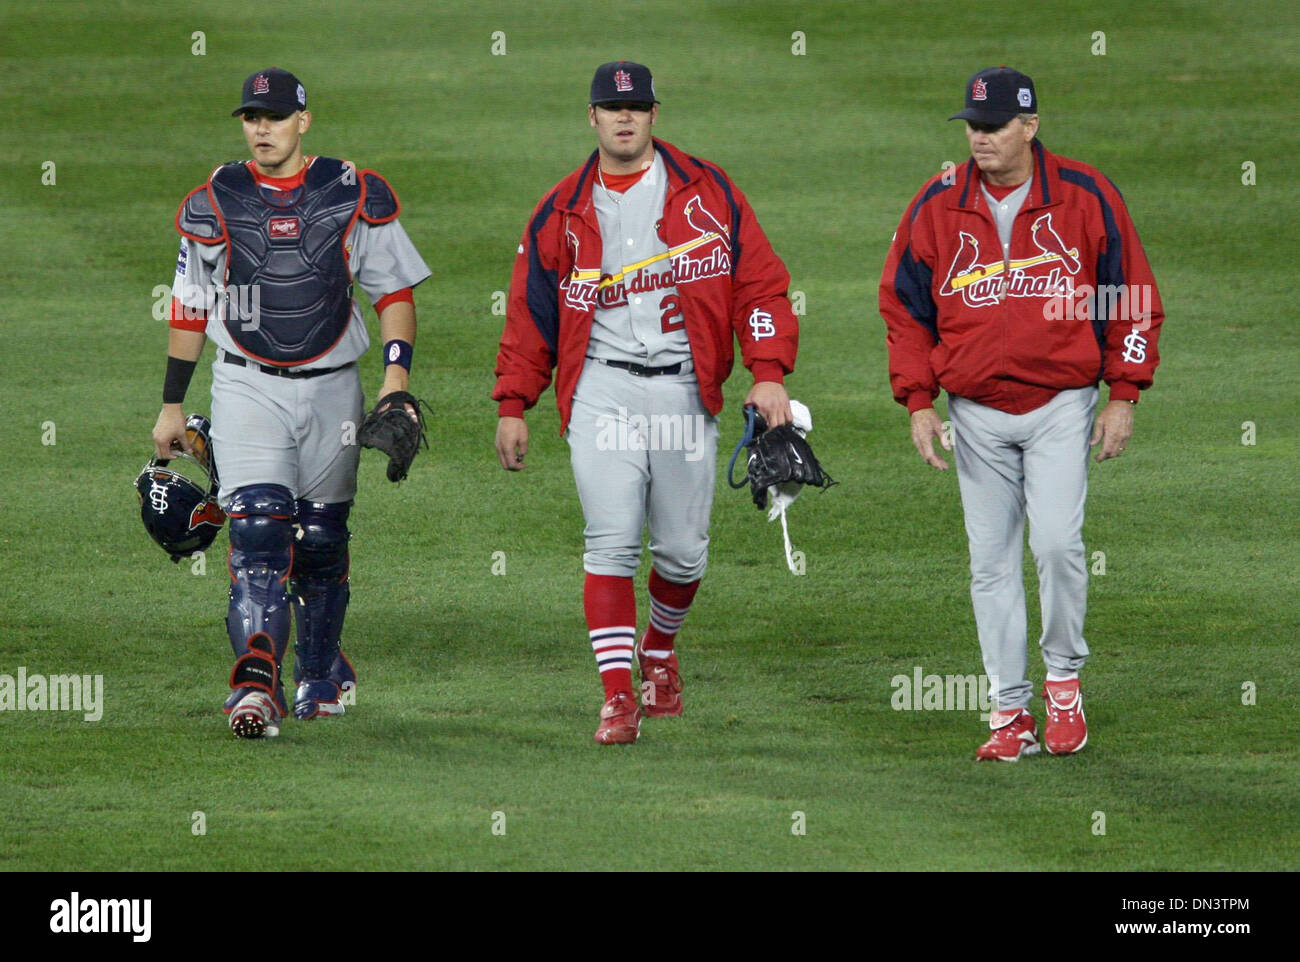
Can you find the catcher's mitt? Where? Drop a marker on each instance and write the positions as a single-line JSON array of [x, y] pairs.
[[778, 456], [391, 429]]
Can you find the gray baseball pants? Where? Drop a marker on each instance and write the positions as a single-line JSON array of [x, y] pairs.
[[1009, 467], [296, 432], [644, 452]]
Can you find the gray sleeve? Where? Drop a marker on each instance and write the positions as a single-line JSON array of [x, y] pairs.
[[384, 260], [196, 267]]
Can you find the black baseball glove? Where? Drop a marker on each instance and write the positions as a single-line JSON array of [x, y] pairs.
[[391, 428], [781, 456]]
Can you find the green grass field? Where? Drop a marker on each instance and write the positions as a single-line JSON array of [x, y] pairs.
[[478, 692]]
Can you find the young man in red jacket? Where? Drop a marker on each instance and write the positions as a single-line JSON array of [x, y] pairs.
[[1016, 283], [631, 278]]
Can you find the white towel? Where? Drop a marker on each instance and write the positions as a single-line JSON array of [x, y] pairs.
[[783, 495]]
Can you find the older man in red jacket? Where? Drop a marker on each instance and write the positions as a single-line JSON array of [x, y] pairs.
[[632, 277], [1016, 283]]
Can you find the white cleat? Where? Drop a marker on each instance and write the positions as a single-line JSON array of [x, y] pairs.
[[255, 716]]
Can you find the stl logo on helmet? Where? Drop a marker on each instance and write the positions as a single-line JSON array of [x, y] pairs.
[[261, 85], [622, 81], [979, 90], [158, 497]]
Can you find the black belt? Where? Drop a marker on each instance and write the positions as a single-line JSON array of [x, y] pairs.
[[640, 370], [238, 361]]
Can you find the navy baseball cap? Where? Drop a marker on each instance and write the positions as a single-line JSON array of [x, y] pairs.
[[272, 89], [623, 81], [996, 95]]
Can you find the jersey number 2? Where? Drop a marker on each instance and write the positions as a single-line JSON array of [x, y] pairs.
[[671, 309]]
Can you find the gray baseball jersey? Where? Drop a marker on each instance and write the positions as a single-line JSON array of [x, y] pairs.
[[382, 259], [636, 317], [1004, 211]]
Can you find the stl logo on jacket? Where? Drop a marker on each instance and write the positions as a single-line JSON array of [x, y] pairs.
[[984, 284]]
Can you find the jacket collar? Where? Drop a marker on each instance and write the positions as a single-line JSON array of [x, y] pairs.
[[1044, 192], [574, 192]]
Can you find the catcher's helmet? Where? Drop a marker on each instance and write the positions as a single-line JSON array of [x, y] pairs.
[[179, 514]]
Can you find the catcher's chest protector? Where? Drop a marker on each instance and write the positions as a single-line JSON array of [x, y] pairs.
[[286, 259]]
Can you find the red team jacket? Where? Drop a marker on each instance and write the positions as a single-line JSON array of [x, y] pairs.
[[726, 272], [1078, 305]]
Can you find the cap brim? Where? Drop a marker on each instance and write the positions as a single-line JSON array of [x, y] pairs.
[[263, 105], [620, 100], [979, 116]]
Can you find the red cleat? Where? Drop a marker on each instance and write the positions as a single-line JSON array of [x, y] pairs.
[[1015, 733], [1066, 730], [661, 684], [620, 720]]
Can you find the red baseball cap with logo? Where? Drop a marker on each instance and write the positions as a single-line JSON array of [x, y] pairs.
[[996, 95], [623, 81]]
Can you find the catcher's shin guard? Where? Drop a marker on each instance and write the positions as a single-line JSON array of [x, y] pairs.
[[261, 554], [320, 588]]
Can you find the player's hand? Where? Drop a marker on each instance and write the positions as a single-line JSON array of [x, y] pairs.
[[1113, 429], [512, 443], [772, 402], [926, 426], [396, 378], [169, 432]]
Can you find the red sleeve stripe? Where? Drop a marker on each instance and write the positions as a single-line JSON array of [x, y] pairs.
[[196, 321], [403, 296]]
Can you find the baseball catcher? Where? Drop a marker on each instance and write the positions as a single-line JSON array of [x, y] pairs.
[[396, 427], [300, 234], [781, 462]]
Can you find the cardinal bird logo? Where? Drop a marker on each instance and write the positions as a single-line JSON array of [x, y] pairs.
[[703, 221], [1049, 242], [207, 513], [706, 255]]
